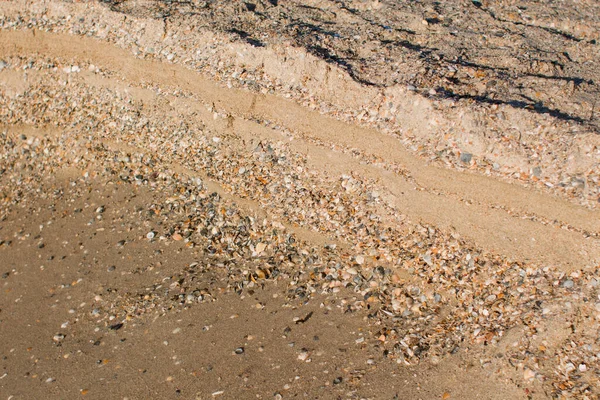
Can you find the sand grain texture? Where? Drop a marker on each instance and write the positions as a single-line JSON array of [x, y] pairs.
[[172, 229]]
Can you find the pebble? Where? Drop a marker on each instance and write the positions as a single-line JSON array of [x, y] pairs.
[[466, 157], [528, 374], [568, 284], [408, 304], [260, 247], [177, 237], [59, 337], [303, 356]]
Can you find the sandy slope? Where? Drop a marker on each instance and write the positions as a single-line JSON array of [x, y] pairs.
[[487, 212], [88, 124]]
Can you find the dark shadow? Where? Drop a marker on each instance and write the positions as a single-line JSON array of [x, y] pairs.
[[553, 31], [247, 38], [502, 71], [360, 15], [331, 58], [530, 104], [308, 28]]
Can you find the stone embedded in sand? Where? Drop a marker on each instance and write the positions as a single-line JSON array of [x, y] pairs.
[[568, 284], [528, 374], [466, 157], [177, 237], [59, 337], [260, 247], [303, 356]]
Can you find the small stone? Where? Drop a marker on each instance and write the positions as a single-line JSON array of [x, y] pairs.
[[150, 235], [116, 327], [568, 284], [239, 350], [582, 367], [360, 260], [490, 298], [177, 237], [111, 268], [528, 374], [260, 247], [303, 356], [338, 380], [570, 367], [59, 337], [3, 64], [466, 157]]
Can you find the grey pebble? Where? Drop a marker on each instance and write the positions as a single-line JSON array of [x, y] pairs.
[[568, 284]]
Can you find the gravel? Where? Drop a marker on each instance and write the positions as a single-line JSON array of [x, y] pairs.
[[427, 291]]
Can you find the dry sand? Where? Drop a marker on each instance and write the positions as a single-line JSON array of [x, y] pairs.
[[173, 228]]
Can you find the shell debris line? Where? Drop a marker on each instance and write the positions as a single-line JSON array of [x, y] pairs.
[[200, 175]]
